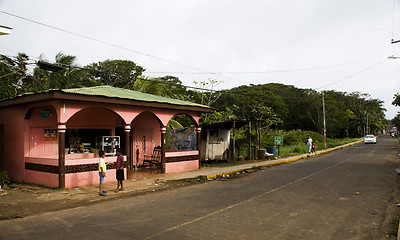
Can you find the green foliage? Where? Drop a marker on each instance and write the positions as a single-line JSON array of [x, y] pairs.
[[218, 116], [396, 100], [207, 96], [117, 73], [167, 86], [276, 106], [13, 75], [66, 78], [4, 179], [396, 121]]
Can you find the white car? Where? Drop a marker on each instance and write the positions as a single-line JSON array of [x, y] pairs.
[[370, 139]]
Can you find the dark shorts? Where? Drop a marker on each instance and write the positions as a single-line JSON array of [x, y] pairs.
[[120, 174]]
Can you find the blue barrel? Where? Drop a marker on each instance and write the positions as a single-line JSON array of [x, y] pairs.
[[272, 150]]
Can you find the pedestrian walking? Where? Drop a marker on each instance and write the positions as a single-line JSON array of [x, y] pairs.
[[102, 172], [120, 171], [309, 143]]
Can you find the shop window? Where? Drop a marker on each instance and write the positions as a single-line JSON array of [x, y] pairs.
[[84, 140]]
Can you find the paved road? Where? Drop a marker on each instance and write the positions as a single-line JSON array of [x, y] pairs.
[[341, 195]]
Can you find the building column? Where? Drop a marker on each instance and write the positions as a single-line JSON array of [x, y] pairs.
[[163, 131], [198, 132], [127, 131], [61, 154]]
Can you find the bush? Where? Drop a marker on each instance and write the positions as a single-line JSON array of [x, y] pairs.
[[4, 179]]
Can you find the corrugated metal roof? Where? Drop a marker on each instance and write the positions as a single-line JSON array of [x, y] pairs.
[[113, 92]]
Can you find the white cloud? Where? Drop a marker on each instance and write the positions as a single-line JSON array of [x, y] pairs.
[[222, 36]]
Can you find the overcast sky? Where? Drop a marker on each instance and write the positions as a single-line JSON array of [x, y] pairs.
[[340, 45]]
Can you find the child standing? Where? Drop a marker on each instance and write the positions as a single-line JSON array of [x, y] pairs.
[[102, 172], [313, 147], [120, 170]]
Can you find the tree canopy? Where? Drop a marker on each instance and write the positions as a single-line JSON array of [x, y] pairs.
[[273, 105]]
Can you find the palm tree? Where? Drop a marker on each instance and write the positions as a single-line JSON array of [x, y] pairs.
[[67, 77]]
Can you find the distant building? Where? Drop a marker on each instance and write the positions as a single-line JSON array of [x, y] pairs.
[[216, 140]]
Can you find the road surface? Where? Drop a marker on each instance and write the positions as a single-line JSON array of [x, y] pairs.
[[346, 194]]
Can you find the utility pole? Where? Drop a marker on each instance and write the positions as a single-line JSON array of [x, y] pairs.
[[249, 140], [323, 110], [367, 128]]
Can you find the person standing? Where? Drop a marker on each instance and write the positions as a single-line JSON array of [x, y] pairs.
[[102, 172], [120, 171], [313, 147], [309, 143]]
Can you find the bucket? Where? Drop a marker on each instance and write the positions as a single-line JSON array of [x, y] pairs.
[[272, 150]]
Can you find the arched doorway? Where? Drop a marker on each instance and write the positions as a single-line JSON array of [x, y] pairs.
[[145, 137], [88, 129]]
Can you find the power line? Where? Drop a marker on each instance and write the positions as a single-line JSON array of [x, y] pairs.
[[278, 71], [117, 46], [355, 74]]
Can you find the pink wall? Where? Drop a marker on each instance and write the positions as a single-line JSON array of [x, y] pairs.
[[37, 144], [89, 178], [71, 179], [181, 166], [94, 118], [42, 178], [13, 142], [177, 153]]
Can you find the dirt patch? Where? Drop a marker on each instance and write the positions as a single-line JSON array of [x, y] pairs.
[[22, 200]]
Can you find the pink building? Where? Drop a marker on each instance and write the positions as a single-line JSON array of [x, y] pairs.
[[52, 138]]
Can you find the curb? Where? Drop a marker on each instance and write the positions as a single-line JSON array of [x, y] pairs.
[[215, 176]]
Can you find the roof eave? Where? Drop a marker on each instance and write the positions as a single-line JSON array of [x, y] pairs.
[[60, 95]]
